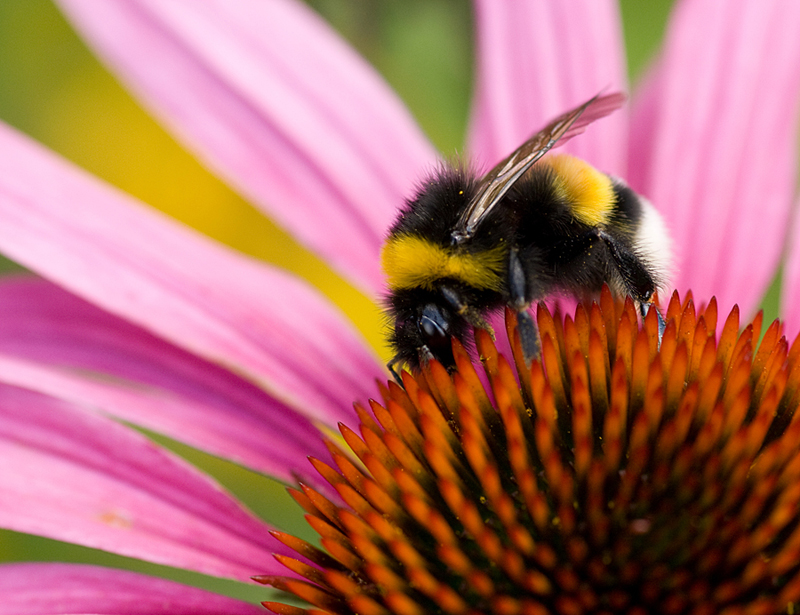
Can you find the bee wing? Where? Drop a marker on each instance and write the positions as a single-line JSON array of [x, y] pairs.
[[494, 185]]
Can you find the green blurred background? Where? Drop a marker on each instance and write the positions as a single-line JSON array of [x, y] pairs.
[[52, 88]]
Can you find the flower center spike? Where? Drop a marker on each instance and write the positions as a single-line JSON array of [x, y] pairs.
[[616, 475]]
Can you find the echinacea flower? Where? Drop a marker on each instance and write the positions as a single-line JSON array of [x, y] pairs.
[[149, 322], [623, 474]]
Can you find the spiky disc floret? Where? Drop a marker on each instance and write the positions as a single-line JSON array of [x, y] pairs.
[[614, 476]]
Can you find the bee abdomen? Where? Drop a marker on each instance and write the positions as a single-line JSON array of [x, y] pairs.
[[588, 193]]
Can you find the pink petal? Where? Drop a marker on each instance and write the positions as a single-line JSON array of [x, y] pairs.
[[56, 343], [137, 263], [51, 589], [537, 60], [276, 103], [713, 142], [790, 290], [83, 478]]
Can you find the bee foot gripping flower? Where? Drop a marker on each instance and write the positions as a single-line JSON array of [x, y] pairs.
[[613, 476]]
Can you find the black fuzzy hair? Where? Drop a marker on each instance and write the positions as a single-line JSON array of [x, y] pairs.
[[437, 204]]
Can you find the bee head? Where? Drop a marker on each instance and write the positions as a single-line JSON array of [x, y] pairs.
[[434, 326], [423, 330]]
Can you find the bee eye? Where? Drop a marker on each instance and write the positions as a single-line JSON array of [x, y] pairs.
[[433, 323]]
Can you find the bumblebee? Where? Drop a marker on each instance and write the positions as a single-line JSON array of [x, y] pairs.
[[534, 225]]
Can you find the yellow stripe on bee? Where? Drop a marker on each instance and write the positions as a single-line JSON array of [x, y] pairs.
[[410, 261], [588, 191]]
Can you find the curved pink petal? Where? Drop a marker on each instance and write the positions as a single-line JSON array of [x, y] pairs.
[[58, 589], [713, 142], [55, 343], [83, 478], [271, 99], [537, 60], [141, 265]]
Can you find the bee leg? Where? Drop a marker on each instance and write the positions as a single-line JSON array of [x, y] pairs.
[[528, 334], [638, 281], [471, 315], [635, 277], [662, 325], [528, 337], [395, 374], [425, 356], [644, 308]]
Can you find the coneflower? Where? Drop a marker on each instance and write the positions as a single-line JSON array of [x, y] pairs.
[[631, 477], [617, 475]]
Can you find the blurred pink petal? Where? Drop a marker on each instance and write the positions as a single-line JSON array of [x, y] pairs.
[[58, 589], [56, 343], [790, 289], [537, 60], [141, 265], [273, 101], [82, 478], [714, 140]]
